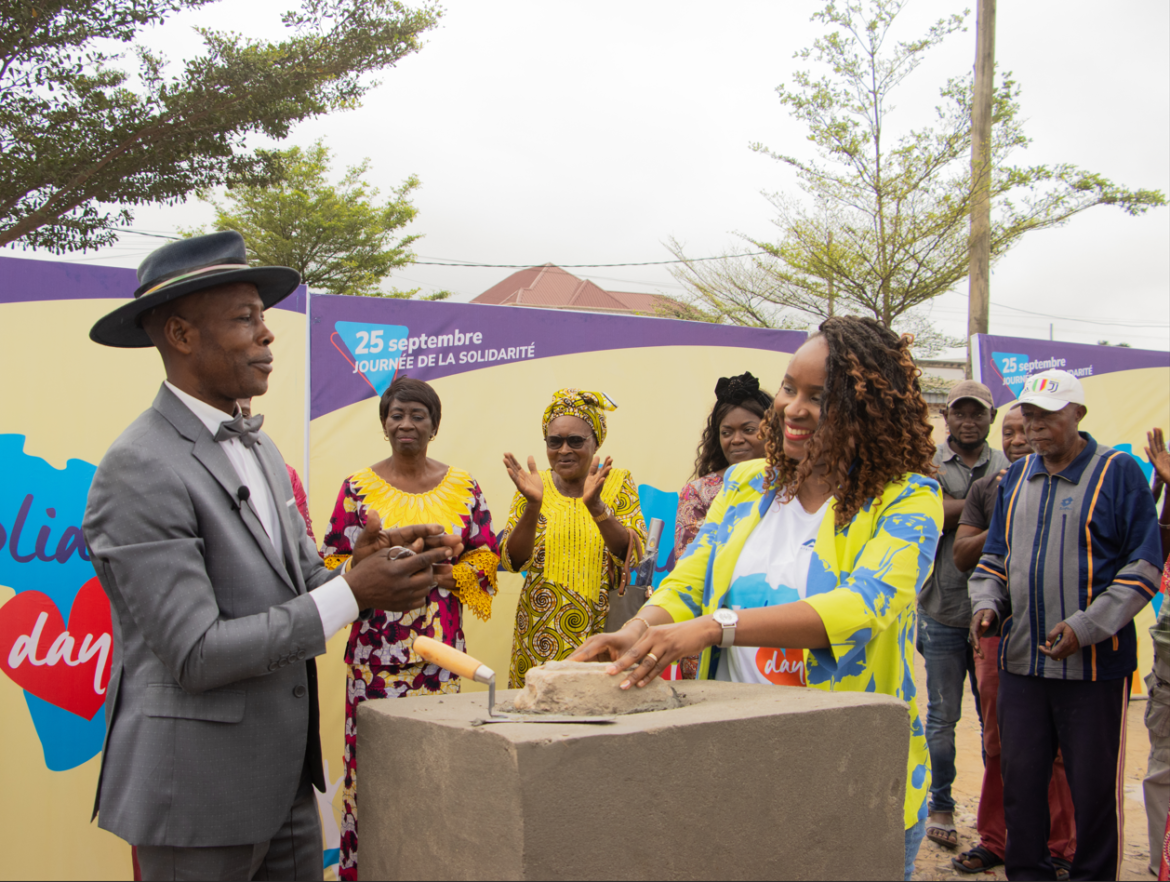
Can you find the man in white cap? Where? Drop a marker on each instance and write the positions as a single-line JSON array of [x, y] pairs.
[[1071, 557]]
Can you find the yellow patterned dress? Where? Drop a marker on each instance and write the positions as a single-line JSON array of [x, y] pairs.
[[564, 600], [380, 654]]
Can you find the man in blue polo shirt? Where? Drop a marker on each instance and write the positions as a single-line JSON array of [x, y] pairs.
[[1071, 557]]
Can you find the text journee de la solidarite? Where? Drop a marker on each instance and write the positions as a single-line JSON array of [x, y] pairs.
[[435, 350]]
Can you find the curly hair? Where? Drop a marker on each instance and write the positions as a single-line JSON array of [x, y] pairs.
[[874, 426], [730, 392]]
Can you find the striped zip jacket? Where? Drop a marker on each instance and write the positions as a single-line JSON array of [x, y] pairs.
[[1080, 546]]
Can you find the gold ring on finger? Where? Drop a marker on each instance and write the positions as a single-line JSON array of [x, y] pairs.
[[653, 656]]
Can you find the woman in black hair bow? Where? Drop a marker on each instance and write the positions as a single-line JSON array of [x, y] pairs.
[[732, 436]]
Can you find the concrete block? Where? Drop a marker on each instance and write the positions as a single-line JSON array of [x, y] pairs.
[[585, 689], [742, 782]]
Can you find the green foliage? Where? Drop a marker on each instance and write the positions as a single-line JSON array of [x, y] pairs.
[[887, 225], [412, 295], [82, 141], [337, 237]]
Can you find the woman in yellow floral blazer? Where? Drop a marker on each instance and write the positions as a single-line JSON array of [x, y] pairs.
[[806, 570]]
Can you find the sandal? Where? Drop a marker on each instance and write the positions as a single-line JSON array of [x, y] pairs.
[[987, 859], [1063, 868], [944, 834]]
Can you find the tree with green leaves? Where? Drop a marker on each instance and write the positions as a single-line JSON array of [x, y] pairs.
[[82, 141], [338, 237], [885, 227]]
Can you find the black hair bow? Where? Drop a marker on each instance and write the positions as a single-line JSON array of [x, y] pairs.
[[737, 389]]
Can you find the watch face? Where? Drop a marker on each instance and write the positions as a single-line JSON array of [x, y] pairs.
[[725, 617]]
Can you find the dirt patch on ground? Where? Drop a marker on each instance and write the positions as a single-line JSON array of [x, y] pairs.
[[934, 861]]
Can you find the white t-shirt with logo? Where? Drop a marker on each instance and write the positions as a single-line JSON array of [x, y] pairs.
[[772, 569]]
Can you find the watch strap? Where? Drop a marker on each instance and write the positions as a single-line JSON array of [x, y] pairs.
[[728, 638]]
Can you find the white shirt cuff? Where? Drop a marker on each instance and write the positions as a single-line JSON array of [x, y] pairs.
[[335, 604]]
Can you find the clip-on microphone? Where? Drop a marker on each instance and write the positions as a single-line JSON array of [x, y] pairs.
[[242, 494]]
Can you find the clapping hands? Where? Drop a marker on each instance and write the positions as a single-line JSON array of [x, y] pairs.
[[527, 482], [594, 481], [1158, 456]]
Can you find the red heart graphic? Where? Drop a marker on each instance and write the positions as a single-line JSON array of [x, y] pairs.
[[68, 668]]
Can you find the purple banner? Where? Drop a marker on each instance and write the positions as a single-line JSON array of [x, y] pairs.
[[358, 344], [25, 281], [1005, 362]]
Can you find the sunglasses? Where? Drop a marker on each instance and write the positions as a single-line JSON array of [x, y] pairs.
[[575, 442]]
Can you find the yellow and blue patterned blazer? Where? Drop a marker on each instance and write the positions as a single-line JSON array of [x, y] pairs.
[[863, 582]]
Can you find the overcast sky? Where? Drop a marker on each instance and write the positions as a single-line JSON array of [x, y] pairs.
[[589, 133]]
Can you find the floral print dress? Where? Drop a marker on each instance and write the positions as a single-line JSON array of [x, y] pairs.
[[693, 501], [380, 656]]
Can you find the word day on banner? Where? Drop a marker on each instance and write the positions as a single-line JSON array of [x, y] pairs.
[[56, 632], [1127, 393]]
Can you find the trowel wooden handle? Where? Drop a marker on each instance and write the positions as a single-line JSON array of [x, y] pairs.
[[453, 660]]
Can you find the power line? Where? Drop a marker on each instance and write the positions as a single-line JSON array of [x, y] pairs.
[[144, 233], [1049, 316], [441, 262], [438, 261]]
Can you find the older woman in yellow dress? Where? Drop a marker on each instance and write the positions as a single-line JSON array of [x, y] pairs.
[[570, 528]]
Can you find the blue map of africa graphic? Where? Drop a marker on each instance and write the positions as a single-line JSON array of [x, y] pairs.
[[66, 739]]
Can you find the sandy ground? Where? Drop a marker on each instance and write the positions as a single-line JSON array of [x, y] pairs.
[[934, 861]]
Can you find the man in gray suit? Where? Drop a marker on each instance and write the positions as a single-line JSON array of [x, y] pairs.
[[219, 600]]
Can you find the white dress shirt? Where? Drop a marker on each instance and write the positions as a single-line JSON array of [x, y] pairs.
[[335, 601]]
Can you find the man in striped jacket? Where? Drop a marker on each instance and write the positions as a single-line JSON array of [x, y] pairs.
[[1071, 557]]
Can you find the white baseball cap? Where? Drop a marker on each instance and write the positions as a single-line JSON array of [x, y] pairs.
[[1051, 390]]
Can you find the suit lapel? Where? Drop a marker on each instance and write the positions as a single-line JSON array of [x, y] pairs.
[[270, 461], [208, 452], [212, 457]]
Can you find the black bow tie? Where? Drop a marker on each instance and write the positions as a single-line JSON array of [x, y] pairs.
[[247, 429]]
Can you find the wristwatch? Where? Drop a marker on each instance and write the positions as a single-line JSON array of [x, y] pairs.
[[727, 619]]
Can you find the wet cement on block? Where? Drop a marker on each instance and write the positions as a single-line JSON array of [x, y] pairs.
[[742, 782], [585, 689]]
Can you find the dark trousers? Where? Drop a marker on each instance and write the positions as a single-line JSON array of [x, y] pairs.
[[1062, 840], [1086, 720], [295, 852]]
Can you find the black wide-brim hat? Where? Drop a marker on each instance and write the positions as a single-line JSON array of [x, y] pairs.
[[182, 268]]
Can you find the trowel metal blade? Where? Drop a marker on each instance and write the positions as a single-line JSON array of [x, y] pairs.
[[540, 718]]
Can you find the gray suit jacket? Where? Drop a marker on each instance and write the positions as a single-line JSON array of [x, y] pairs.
[[211, 711]]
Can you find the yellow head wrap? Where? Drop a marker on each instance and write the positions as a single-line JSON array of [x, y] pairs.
[[589, 406]]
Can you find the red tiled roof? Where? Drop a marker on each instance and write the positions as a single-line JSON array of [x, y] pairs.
[[638, 301], [553, 288]]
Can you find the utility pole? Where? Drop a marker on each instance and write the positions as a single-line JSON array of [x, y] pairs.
[[979, 273]]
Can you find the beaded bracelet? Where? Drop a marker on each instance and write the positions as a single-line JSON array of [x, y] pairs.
[[638, 618]]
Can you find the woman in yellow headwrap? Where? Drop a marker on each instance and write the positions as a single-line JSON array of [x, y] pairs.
[[570, 528]]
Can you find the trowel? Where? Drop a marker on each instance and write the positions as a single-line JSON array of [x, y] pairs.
[[463, 665]]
